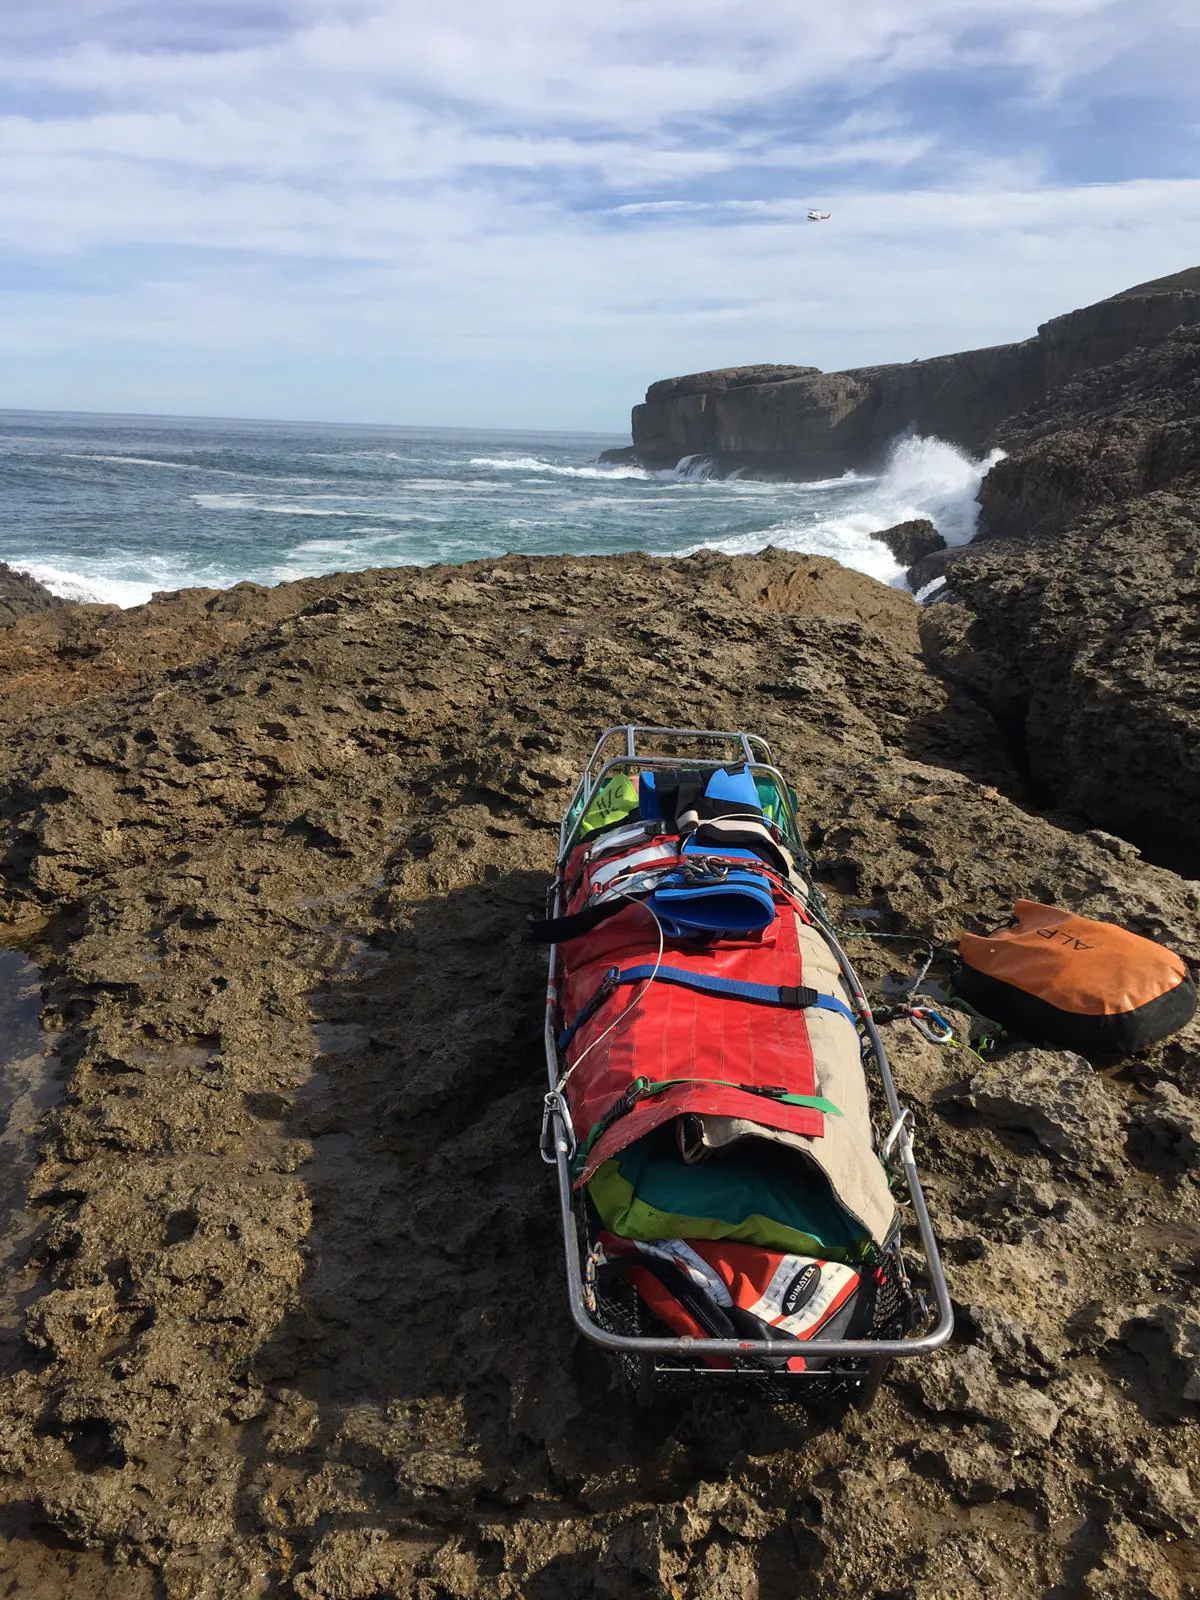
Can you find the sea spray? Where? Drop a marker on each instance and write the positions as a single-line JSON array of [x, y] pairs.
[[111, 510], [922, 477]]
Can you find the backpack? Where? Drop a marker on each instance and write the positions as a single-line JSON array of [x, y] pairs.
[[1064, 980]]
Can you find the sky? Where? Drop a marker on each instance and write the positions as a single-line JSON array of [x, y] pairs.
[[518, 213]]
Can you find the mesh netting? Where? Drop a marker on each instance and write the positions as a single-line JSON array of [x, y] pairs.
[[620, 1310]]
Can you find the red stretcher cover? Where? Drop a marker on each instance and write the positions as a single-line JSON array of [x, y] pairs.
[[673, 1032]]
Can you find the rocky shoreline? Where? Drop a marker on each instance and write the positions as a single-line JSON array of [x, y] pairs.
[[290, 1319]]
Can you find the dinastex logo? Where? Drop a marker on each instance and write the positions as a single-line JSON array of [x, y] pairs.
[[802, 1288]]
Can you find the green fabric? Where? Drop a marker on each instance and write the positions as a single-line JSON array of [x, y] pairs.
[[646, 1088], [612, 802], [763, 1195], [770, 800]]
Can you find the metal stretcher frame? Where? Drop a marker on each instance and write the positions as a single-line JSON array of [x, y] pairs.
[[558, 1136]]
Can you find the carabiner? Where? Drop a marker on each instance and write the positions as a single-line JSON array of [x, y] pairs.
[[931, 1025], [555, 1106], [900, 1132]]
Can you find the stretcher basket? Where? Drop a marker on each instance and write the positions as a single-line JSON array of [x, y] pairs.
[[913, 1315]]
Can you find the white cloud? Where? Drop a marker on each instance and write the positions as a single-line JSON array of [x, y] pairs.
[[269, 201]]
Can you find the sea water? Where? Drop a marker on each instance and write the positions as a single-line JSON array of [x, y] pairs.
[[114, 508]]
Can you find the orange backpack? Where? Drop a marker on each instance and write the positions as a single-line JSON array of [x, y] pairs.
[[1064, 980]]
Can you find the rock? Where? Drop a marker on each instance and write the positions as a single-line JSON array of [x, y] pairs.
[[805, 421], [978, 1472], [1056, 1097], [1130, 1565], [726, 378], [1168, 1337], [1117, 432], [1083, 650], [20, 594], [964, 1382], [1161, 1497], [797, 421], [938, 564], [910, 541], [1164, 1134], [295, 1306]]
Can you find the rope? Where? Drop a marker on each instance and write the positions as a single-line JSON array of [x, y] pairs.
[[622, 1016]]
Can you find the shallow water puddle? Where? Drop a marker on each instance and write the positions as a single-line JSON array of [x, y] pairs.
[[28, 1086]]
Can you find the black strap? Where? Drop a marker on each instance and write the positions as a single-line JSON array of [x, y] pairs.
[[702, 1308], [558, 930], [717, 1321]]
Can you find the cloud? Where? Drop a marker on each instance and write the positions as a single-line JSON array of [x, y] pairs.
[[261, 200]]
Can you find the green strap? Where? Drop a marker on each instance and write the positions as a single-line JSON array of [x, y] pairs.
[[643, 1088], [815, 1102]]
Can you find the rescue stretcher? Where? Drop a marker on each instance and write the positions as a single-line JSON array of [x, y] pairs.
[[912, 1315]]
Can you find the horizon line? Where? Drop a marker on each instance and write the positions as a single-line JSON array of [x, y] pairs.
[[309, 422]]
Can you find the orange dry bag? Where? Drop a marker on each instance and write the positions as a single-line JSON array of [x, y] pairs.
[[1064, 980]]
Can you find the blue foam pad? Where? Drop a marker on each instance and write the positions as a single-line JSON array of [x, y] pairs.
[[737, 787]]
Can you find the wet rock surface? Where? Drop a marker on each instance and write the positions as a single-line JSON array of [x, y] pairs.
[[293, 1313], [911, 541]]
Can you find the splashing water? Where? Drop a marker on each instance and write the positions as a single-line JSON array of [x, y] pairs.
[[91, 512]]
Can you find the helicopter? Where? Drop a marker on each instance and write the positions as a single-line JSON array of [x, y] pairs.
[[819, 216]]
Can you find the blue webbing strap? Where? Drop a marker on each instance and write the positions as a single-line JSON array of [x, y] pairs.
[[792, 997]]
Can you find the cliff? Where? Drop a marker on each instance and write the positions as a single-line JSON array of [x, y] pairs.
[[800, 422], [1074, 613]]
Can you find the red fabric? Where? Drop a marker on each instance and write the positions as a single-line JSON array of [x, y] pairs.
[[586, 860], [673, 1032], [746, 1271]]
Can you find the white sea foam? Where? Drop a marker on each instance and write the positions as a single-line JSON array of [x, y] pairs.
[[138, 461], [275, 508], [87, 589], [924, 477], [557, 469], [695, 469]]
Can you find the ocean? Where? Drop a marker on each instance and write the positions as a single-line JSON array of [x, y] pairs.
[[114, 508]]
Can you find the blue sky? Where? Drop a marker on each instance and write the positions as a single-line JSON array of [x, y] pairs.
[[520, 212]]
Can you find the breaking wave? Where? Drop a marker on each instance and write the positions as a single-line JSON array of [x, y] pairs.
[[556, 469], [923, 477], [124, 528], [88, 590]]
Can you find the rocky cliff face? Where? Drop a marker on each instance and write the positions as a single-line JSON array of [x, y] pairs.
[[1086, 646], [1075, 614], [801, 423], [20, 594], [1109, 436]]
